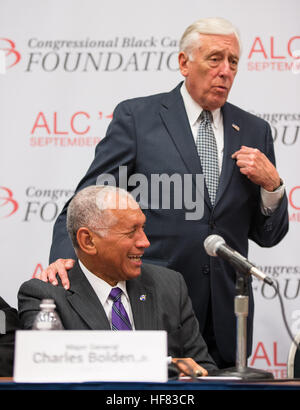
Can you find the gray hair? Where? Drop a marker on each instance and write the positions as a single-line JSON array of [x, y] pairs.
[[213, 25], [91, 208]]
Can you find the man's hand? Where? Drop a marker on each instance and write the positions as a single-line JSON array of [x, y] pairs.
[[257, 167], [188, 366], [60, 267]]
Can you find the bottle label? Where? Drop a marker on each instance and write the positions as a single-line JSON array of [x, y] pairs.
[[43, 326]]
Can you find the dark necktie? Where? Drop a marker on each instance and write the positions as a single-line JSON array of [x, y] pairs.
[[208, 153], [119, 317]]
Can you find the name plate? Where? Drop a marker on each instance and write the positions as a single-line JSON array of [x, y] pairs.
[[90, 355]]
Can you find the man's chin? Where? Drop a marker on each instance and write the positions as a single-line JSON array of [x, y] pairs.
[[133, 273], [216, 103]]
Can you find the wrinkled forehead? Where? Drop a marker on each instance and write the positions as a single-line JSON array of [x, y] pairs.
[[219, 42], [114, 200], [128, 217]]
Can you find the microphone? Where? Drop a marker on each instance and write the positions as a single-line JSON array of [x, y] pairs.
[[216, 246]]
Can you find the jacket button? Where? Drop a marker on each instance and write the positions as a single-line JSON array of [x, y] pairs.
[[205, 269], [269, 227]]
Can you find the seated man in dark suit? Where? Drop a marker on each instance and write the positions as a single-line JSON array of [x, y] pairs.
[[106, 226], [8, 325]]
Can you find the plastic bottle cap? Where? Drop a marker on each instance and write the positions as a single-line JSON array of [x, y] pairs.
[[47, 303]]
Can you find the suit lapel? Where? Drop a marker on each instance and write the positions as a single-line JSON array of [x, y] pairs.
[[143, 304], [174, 117], [232, 142], [85, 301]]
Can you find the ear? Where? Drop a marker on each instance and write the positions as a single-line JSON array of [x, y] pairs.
[[85, 239], [183, 61]]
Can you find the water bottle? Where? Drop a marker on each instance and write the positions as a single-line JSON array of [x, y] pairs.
[[47, 318]]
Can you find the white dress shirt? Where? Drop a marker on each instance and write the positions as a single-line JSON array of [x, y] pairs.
[[269, 200], [102, 290]]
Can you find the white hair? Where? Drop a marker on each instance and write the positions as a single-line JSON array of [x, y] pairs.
[[91, 208], [213, 25]]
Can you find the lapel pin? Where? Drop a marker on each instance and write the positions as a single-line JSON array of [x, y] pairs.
[[236, 127], [142, 298]]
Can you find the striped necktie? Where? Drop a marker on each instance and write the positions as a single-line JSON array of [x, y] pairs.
[[119, 317], [208, 153]]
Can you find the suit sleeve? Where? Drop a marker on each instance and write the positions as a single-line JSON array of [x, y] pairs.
[[30, 296], [268, 231], [192, 342], [7, 340], [118, 148]]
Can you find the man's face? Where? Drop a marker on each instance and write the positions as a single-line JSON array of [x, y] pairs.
[[209, 76], [119, 252]]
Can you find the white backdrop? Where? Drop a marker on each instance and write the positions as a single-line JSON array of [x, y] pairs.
[[69, 62]]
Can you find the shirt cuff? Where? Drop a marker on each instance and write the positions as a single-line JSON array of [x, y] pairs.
[[271, 200]]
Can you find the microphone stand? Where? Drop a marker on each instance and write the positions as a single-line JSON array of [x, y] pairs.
[[241, 304]]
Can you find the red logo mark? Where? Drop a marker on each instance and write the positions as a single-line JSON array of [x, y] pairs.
[[6, 200], [262, 48], [293, 198], [13, 56]]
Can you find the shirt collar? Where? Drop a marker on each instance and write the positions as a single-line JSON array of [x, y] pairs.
[[193, 109], [99, 285]]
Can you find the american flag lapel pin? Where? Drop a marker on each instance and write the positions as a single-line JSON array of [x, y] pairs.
[[142, 298], [236, 127]]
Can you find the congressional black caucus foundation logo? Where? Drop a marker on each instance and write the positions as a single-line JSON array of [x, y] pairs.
[[8, 204], [38, 203], [107, 55], [44, 204], [9, 54]]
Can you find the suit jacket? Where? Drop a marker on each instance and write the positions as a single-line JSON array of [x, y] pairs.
[[7, 339], [152, 135], [166, 307]]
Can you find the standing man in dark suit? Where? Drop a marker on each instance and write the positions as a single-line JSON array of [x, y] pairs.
[[189, 131], [9, 323], [110, 287]]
